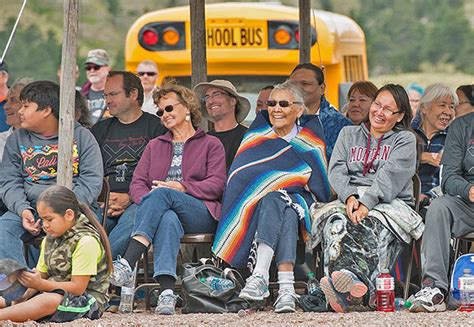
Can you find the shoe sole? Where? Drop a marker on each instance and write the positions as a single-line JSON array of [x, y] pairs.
[[247, 296], [165, 313], [285, 309], [343, 283], [419, 307], [331, 295]]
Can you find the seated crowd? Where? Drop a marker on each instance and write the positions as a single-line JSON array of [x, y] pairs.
[[301, 171]]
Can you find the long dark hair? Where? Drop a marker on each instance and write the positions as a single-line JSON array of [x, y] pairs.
[[403, 104], [60, 198]]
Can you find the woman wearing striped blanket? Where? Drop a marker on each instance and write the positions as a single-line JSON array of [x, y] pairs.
[[278, 173]]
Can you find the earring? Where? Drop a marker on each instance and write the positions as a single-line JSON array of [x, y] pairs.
[[298, 121], [188, 117]]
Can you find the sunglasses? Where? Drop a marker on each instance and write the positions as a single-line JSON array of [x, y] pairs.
[[281, 103], [94, 67], [168, 108], [146, 73]]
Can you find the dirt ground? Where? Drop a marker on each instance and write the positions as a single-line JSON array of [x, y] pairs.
[[268, 318]]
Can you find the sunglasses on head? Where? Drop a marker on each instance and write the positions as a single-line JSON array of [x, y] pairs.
[[94, 67], [146, 73], [168, 108], [281, 103]]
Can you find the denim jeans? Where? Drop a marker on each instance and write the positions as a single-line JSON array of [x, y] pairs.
[[277, 227], [11, 244], [119, 229], [163, 217]]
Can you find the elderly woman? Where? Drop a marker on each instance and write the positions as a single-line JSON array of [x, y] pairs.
[[465, 94], [360, 97], [178, 184], [437, 108], [278, 172], [364, 230]]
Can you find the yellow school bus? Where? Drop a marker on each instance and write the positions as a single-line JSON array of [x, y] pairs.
[[250, 44]]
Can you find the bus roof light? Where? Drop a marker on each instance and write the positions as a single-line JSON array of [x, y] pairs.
[[171, 36], [282, 35], [150, 37]]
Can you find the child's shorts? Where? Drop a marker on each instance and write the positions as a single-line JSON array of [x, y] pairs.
[[75, 307]]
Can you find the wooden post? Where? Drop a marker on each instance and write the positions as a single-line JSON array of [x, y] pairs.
[[67, 92], [198, 47], [305, 31]]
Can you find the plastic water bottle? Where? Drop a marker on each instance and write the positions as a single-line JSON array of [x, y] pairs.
[[466, 290], [313, 284], [126, 299], [217, 283], [385, 285], [400, 304]]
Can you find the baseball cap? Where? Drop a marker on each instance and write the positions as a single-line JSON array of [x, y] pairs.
[[10, 287], [98, 57], [3, 67]]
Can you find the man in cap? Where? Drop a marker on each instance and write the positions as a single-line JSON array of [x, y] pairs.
[[3, 95], [226, 109], [311, 80], [147, 70], [97, 66]]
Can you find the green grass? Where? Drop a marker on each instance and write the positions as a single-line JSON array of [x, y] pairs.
[[451, 79]]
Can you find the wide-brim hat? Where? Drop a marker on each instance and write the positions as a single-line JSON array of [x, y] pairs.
[[10, 288], [243, 104]]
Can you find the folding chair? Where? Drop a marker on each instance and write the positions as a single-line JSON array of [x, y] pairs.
[[462, 241], [104, 197]]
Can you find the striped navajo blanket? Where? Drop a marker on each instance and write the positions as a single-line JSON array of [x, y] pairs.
[[265, 163]]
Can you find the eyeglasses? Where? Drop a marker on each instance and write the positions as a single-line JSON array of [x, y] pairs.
[[463, 102], [214, 95], [111, 94], [281, 103], [146, 73], [168, 108], [386, 110], [94, 67]]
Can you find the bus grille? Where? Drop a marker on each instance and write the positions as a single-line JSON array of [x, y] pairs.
[[353, 68]]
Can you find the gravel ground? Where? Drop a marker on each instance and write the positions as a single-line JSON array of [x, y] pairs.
[[268, 318]]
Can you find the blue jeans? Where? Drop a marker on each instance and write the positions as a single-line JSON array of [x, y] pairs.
[[119, 229], [11, 245], [277, 227], [163, 217]]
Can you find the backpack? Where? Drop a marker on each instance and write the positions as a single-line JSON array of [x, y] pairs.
[[465, 261]]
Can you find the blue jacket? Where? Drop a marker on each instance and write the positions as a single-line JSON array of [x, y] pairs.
[[333, 121]]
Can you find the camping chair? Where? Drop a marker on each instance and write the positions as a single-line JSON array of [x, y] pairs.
[[104, 198], [461, 244]]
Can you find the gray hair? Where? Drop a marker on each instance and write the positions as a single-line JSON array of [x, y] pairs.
[[20, 83], [292, 87], [437, 91]]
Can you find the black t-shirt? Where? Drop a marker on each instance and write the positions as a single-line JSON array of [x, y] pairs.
[[231, 140], [97, 106], [122, 146]]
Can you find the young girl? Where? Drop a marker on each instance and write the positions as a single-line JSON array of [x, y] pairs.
[[71, 278]]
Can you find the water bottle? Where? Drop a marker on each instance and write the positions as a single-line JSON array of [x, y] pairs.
[[313, 285], [385, 286], [217, 283], [400, 304], [466, 290], [126, 299]]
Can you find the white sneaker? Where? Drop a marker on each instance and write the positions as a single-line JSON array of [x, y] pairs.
[[286, 301], [255, 289], [428, 299]]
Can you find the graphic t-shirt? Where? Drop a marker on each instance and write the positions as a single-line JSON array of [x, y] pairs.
[[122, 146], [97, 106], [175, 172]]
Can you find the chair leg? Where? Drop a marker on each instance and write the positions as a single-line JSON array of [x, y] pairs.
[[456, 248], [146, 280], [408, 274]]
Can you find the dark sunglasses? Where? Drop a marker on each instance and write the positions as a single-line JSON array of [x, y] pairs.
[[281, 103], [94, 67], [146, 73], [168, 108]]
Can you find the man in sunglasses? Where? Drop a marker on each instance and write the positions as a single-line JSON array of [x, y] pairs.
[[97, 66], [147, 70], [227, 109], [311, 80]]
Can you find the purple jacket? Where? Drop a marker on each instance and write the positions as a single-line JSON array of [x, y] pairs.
[[203, 168]]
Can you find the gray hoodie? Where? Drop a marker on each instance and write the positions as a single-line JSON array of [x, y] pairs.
[[29, 166], [389, 176]]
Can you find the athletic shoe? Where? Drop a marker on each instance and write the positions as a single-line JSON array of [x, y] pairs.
[[166, 303], [123, 275], [346, 281], [338, 301], [286, 301], [428, 299], [255, 289]]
